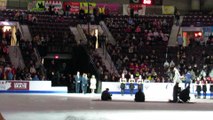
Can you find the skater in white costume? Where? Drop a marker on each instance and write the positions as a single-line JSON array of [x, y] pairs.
[[93, 84]]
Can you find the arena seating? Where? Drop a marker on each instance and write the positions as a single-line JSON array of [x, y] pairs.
[[141, 41], [197, 19], [139, 46], [54, 31]]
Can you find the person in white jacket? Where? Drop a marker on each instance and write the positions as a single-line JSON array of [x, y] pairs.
[[93, 84], [177, 76], [176, 88], [140, 83]]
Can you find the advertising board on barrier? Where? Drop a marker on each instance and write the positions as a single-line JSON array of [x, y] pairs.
[[5, 85], [114, 87], [14, 85], [17, 86]]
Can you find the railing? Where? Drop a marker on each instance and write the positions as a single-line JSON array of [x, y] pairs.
[[81, 33], [39, 61], [20, 29], [16, 57], [94, 70], [107, 32], [84, 38], [112, 65]]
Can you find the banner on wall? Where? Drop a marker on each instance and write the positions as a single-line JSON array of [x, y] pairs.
[[41, 5], [168, 10], [74, 6], [57, 5], [139, 9], [102, 7], [3, 4], [84, 6], [36, 5], [110, 8]]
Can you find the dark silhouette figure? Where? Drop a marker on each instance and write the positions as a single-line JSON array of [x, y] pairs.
[[184, 95], [106, 96], [198, 89], [176, 92], [139, 96]]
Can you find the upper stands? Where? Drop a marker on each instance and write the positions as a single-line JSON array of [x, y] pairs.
[[141, 41], [198, 19]]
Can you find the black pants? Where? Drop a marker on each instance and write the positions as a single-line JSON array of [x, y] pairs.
[[198, 91]]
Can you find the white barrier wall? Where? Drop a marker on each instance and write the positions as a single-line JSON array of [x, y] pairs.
[[151, 90], [18, 86]]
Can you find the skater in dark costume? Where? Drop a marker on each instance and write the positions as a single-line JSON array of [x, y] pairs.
[[198, 88], [204, 88], [184, 95], [176, 92], [139, 96], [211, 88], [106, 96]]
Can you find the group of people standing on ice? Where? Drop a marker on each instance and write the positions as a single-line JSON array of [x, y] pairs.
[[201, 83], [82, 82], [139, 95], [131, 81]]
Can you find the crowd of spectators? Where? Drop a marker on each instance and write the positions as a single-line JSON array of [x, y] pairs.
[[132, 56], [147, 29], [6, 71], [140, 49], [140, 44]]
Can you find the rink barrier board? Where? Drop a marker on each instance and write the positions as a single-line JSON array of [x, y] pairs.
[[17, 86], [151, 89], [30, 91]]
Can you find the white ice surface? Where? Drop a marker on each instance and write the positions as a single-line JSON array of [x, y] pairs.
[[89, 107]]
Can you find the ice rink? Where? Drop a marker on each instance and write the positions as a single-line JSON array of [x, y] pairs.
[[89, 107]]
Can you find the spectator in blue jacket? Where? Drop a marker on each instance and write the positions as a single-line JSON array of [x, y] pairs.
[[188, 78]]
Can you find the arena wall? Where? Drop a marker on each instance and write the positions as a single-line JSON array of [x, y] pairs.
[[182, 5]]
